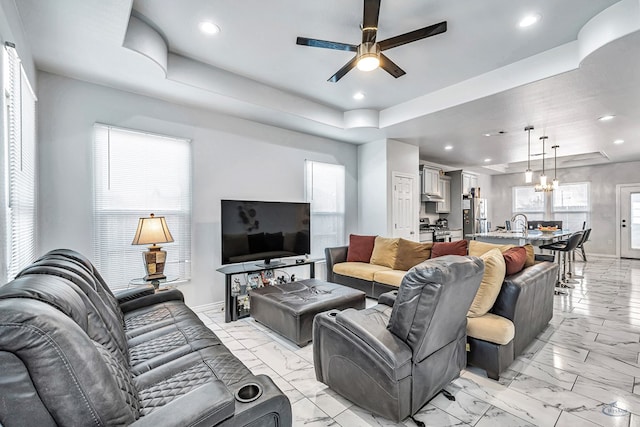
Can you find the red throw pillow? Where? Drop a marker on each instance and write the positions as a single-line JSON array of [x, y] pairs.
[[360, 248], [449, 248], [515, 259]]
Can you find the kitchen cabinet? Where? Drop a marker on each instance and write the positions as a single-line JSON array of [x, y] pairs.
[[469, 181], [444, 183], [430, 181]]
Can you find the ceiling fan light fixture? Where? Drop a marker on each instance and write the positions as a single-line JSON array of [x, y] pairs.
[[368, 56]]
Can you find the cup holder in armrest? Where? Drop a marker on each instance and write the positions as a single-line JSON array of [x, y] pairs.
[[248, 393]]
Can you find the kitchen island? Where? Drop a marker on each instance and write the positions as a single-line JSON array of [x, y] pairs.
[[535, 237]]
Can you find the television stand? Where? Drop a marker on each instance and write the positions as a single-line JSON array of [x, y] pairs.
[[272, 264], [232, 311]]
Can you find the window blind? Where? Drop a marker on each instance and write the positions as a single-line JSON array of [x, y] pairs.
[[325, 190], [572, 205], [20, 175], [136, 174]]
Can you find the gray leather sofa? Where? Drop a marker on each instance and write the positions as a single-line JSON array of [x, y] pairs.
[[394, 357], [371, 288], [72, 353], [526, 299]]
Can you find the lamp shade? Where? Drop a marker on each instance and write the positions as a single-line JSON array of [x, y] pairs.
[[152, 230]]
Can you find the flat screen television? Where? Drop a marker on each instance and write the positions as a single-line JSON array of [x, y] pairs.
[[262, 231]]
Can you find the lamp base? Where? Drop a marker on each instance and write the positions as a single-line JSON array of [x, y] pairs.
[[154, 260]]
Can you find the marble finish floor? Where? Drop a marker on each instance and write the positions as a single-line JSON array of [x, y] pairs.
[[583, 370]]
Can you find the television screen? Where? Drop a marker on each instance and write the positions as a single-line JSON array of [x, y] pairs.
[[257, 230]]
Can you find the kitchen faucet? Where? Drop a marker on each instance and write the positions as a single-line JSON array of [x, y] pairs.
[[520, 219]]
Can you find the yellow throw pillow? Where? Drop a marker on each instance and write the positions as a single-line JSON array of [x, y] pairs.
[[494, 271], [531, 255], [385, 251], [411, 253], [478, 248]]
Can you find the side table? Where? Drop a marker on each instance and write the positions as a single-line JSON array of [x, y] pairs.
[[156, 282]]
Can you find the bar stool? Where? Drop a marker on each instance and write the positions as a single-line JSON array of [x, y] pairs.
[[584, 240], [564, 250]]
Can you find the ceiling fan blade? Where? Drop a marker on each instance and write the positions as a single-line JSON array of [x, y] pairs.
[[303, 41], [412, 36], [390, 67], [344, 70], [370, 20]]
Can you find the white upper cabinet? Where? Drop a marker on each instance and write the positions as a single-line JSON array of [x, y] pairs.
[[445, 192], [430, 181], [469, 181]]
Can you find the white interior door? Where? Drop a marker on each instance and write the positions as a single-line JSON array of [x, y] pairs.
[[630, 222], [404, 213]]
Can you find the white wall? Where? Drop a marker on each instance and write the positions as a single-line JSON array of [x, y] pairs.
[[376, 162], [232, 158], [403, 158], [603, 179], [372, 186]]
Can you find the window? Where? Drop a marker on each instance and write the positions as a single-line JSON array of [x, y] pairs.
[[19, 177], [528, 202], [572, 205], [325, 189], [136, 174]]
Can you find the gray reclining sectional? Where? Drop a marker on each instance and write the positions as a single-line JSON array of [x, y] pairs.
[[394, 357], [74, 354]]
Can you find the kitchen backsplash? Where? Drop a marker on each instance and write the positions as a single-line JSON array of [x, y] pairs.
[[433, 217]]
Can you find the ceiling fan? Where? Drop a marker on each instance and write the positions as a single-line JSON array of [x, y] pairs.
[[369, 54]]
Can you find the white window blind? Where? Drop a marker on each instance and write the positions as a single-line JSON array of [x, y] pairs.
[[527, 201], [572, 205], [136, 174], [20, 170], [325, 190]]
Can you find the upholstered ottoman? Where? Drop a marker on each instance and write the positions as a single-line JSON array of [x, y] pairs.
[[289, 308]]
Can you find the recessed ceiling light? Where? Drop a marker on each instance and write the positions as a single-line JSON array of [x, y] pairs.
[[487, 134], [529, 20], [605, 118], [209, 27], [358, 95], [487, 160], [618, 141], [448, 147]]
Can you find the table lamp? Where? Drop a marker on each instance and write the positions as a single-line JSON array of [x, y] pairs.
[[153, 230]]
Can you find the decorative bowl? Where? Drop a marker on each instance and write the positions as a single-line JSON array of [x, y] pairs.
[[548, 230]]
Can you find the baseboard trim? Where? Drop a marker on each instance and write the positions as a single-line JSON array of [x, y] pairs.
[[219, 306], [590, 255]]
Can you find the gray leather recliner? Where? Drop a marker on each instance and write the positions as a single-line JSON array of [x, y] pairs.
[[394, 357]]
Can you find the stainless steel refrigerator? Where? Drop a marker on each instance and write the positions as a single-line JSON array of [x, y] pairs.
[[474, 215]]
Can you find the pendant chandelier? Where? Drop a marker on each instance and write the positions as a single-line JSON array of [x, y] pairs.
[[556, 183], [528, 174], [543, 185]]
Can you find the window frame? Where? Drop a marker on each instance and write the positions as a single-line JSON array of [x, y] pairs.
[[19, 193], [339, 213], [120, 262]]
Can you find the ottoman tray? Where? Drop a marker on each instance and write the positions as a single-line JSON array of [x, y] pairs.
[[289, 308]]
